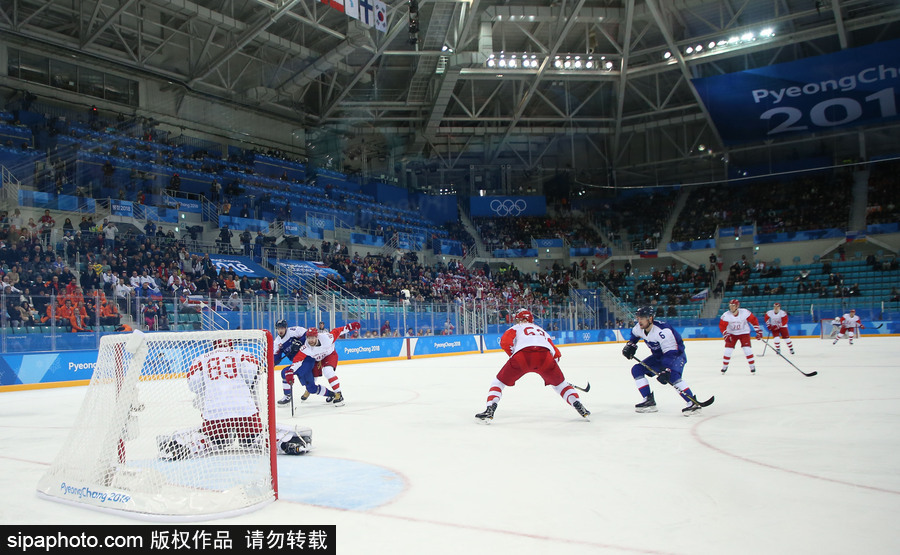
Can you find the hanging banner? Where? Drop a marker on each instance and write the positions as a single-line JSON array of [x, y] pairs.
[[857, 86]]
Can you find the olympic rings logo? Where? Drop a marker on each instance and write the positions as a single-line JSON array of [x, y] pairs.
[[508, 207]]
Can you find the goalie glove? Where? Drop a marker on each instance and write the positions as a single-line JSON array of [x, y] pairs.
[[629, 350], [663, 377]]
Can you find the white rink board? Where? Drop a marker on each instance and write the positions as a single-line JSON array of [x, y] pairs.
[[780, 463]]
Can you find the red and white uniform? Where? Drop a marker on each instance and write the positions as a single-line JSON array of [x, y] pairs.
[[850, 326], [223, 380], [777, 323], [737, 327], [530, 349], [325, 355]]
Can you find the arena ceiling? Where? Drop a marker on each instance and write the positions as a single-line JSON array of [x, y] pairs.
[[435, 103]]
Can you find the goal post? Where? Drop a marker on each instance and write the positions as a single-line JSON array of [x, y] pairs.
[[174, 426], [829, 330]]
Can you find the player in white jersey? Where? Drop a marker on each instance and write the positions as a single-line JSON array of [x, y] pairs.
[[667, 359], [736, 324], [318, 357], [776, 321], [224, 382], [850, 325], [530, 349]]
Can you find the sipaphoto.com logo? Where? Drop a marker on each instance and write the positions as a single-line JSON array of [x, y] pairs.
[[508, 207]]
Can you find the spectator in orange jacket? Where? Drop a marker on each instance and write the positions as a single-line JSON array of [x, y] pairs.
[[109, 314]]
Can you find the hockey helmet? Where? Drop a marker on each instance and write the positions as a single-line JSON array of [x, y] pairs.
[[735, 302], [281, 324], [644, 312], [222, 344], [312, 332], [523, 314]]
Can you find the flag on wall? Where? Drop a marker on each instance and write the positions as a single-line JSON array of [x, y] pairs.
[[351, 8], [380, 16], [366, 13]]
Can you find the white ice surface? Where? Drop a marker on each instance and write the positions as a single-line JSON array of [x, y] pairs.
[[780, 463]]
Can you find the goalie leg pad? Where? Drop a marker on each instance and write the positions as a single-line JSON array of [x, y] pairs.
[[183, 444]]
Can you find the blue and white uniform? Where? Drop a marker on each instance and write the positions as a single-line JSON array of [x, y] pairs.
[[666, 347], [288, 346], [666, 353]]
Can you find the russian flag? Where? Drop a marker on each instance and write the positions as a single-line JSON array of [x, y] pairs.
[[649, 253], [701, 296]]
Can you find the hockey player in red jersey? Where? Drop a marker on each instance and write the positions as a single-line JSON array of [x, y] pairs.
[[776, 321], [224, 383], [850, 326], [317, 357], [530, 349], [736, 324]]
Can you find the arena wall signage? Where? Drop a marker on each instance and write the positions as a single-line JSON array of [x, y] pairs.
[[857, 86], [503, 207]]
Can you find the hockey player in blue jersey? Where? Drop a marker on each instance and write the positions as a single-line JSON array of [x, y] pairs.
[[667, 359], [286, 344]]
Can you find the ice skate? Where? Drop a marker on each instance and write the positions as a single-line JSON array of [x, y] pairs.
[[647, 405], [753, 369], [586, 414], [851, 342], [691, 410], [338, 399], [305, 396], [777, 350], [488, 414], [724, 369], [792, 351], [285, 400]]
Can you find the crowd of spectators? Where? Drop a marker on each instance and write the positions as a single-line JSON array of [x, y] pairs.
[[813, 202], [518, 232]]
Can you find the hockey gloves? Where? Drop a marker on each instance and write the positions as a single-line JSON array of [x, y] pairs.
[[663, 377], [353, 326], [288, 374], [759, 334], [629, 350]]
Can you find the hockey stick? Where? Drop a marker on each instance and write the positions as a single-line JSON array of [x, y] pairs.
[[585, 388], [878, 327], [693, 399], [767, 345], [807, 374]]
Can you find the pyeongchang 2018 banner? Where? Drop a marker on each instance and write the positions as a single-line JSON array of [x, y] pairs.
[[501, 207], [858, 86]]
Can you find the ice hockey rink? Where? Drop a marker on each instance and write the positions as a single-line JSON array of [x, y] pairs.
[[780, 463]]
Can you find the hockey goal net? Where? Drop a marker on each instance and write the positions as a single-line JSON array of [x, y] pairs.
[[175, 426], [828, 329]]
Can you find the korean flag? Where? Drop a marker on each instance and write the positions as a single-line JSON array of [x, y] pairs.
[[380, 16]]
